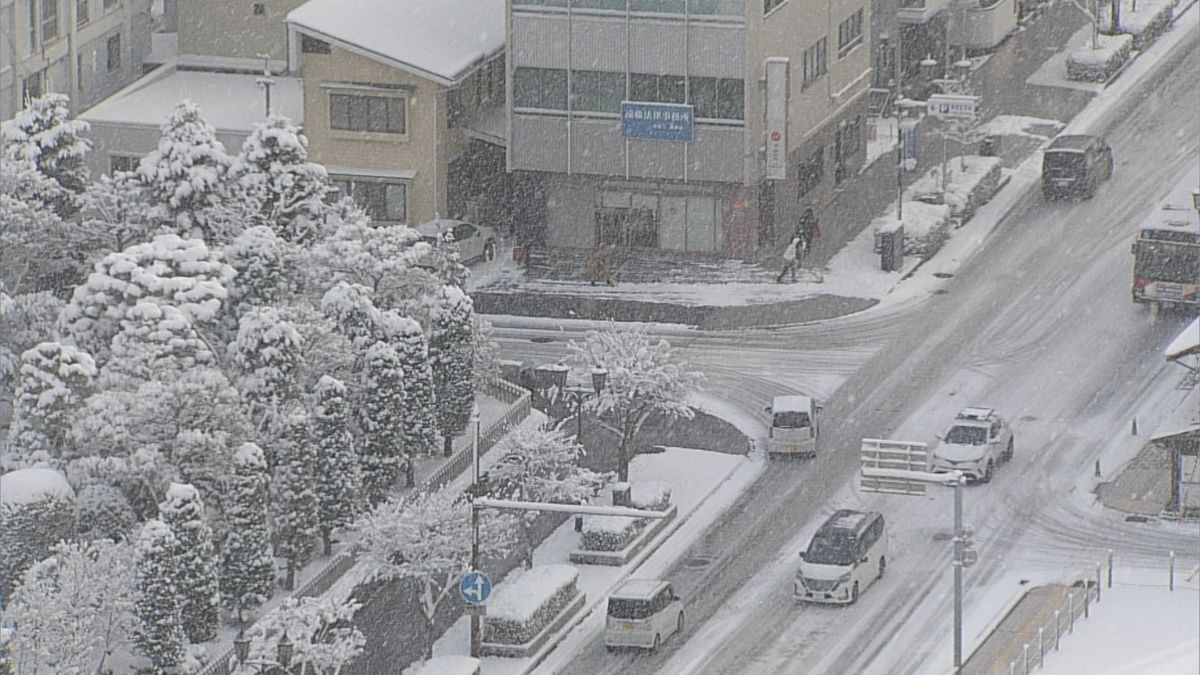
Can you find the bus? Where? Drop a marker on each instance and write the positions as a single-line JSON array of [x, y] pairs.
[[1166, 252]]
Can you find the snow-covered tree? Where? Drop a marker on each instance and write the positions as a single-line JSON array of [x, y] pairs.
[[646, 376], [541, 465], [292, 192], [37, 510], [247, 565], [185, 176], [267, 353], [35, 243], [183, 273], [116, 215], [259, 257], [419, 419], [324, 637], [451, 350], [427, 537], [154, 339], [382, 453], [158, 633], [72, 609], [195, 562], [351, 309], [487, 353], [295, 516], [104, 513], [337, 461], [44, 136], [53, 381]]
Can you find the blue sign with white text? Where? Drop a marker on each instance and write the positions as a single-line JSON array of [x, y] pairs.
[[475, 587], [657, 121]]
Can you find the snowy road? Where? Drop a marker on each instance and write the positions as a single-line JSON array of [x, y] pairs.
[[1039, 325]]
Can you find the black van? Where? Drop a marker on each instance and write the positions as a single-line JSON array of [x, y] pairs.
[[1075, 165]]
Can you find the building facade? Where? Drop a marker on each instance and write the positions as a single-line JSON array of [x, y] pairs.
[[233, 29], [87, 49], [588, 79]]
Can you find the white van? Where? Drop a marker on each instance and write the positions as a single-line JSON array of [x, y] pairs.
[[795, 426], [642, 613], [846, 554]]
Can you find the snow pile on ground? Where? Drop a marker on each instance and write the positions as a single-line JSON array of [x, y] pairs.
[[26, 486], [966, 188], [926, 227]]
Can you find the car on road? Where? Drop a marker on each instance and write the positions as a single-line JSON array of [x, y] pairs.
[[475, 242], [642, 613], [794, 427], [846, 554], [1075, 164], [976, 443]]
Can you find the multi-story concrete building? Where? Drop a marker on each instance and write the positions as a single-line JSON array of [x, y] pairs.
[[701, 126], [404, 102], [233, 29], [86, 49]]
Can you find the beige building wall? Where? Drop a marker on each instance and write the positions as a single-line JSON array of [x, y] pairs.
[[239, 29], [420, 150]]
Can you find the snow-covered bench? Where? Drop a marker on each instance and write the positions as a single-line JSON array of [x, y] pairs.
[[525, 612]]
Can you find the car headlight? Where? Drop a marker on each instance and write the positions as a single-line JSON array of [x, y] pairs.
[[844, 578]]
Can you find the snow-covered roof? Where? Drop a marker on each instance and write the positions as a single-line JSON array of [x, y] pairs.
[[638, 589], [791, 404], [441, 40], [228, 101], [25, 486], [1186, 343]]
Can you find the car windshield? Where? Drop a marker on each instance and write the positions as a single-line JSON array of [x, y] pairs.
[[790, 419], [1063, 162], [834, 547], [964, 435], [619, 608]]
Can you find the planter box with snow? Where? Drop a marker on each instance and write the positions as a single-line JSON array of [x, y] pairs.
[[1098, 65], [966, 190], [1143, 20], [523, 614], [926, 227], [614, 540]]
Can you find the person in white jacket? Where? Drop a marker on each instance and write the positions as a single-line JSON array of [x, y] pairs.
[[791, 257]]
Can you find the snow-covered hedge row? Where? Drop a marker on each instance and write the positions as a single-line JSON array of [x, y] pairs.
[[966, 190], [609, 533], [1097, 65], [926, 227], [1144, 20], [520, 609], [37, 510]]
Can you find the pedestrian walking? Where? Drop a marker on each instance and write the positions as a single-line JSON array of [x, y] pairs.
[[599, 266], [791, 256], [809, 229]]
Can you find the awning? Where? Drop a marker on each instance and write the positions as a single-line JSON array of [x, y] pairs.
[[1186, 344]]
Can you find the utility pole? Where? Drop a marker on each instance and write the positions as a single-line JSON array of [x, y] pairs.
[[959, 548], [476, 624], [266, 81]]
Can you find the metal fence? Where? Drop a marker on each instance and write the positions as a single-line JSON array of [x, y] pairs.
[[488, 436]]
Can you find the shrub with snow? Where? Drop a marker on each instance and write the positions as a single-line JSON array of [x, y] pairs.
[[37, 510], [653, 495], [520, 609], [158, 634], [1145, 20], [195, 562], [451, 348], [1098, 65], [54, 379], [247, 565], [609, 533], [104, 513], [926, 227], [44, 136]]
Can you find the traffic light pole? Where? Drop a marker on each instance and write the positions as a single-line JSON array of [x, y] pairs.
[[958, 570]]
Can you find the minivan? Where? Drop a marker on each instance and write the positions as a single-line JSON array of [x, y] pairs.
[[642, 613], [1075, 164], [794, 428], [847, 553]]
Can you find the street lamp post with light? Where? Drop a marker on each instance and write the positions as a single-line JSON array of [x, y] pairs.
[[283, 654]]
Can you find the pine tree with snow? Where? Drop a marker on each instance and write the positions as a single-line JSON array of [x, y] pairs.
[[292, 192], [53, 381], [258, 256], [267, 352], [420, 421], [451, 350], [381, 421], [155, 338], [185, 176], [247, 564], [295, 515], [36, 251], [44, 136], [158, 635], [337, 461], [195, 562], [351, 309]]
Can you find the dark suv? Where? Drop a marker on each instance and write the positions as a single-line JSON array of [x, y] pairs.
[[1075, 165]]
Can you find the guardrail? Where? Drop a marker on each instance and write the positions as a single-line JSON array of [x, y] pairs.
[[488, 436]]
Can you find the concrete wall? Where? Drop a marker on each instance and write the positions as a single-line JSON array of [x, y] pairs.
[[109, 139], [223, 28]]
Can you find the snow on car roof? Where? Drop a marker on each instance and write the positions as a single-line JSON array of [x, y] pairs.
[[638, 589], [845, 519], [1071, 143], [975, 413], [791, 403], [437, 225]]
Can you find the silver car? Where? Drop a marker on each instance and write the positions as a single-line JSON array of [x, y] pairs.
[[474, 241]]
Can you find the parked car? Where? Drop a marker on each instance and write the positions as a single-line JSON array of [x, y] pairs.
[[642, 613], [975, 443], [474, 241], [1075, 164], [846, 554], [795, 426]]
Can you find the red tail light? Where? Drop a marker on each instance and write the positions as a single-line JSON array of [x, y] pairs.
[[1141, 283]]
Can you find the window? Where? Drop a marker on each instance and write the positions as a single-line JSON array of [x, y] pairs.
[[717, 98], [595, 91], [376, 114], [33, 25], [31, 87], [661, 6], [769, 5], [113, 49], [260, 9], [810, 173], [122, 163], [815, 62], [49, 20], [81, 12], [111, 4], [79, 72], [847, 141], [656, 88], [483, 88], [543, 88], [496, 77], [850, 33], [7, 52], [311, 45], [382, 201]]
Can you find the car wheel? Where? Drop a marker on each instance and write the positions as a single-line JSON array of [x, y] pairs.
[[882, 566], [610, 649], [489, 251], [987, 473], [854, 593], [657, 642], [1091, 189], [1008, 451]]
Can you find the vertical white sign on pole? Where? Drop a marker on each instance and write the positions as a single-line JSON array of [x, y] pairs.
[[777, 106]]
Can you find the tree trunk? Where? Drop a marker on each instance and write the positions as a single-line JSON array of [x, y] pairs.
[[623, 462], [410, 478], [526, 543], [289, 583], [447, 445], [327, 541]]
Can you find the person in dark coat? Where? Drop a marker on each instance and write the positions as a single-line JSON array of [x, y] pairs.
[[808, 229]]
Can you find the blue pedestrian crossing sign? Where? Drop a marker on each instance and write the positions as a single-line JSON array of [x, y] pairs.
[[475, 587]]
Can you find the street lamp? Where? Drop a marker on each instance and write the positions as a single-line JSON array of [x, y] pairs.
[[283, 654], [580, 394], [1196, 200]]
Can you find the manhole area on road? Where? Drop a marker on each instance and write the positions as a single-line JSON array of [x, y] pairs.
[[699, 561], [541, 339], [940, 291], [1136, 519], [943, 275]]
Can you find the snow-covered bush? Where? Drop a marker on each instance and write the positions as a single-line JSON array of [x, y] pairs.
[[451, 349], [104, 513], [53, 380], [1098, 65], [267, 352], [972, 182], [292, 192], [321, 629], [195, 562], [1145, 20], [520, 609], [26, 319], [247, 567], [926, 227], [420, 423], [609, 533], [338, 490], [44, 136], [653, 495], [37, 510], [36, 251], [295, 515], [381, 449], [158, 632], [259, 257]]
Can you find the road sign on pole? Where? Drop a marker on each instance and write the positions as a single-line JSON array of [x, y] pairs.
[[953, 105], [475, 587], [886, 462]]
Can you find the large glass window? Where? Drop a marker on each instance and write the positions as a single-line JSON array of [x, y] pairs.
[[378, 114], [663, 6], [81, 12], [544, 88], [850, 32], [656, 88], [815, 62], [113, 49], [717, 98], [49, 20], [596, 91], [599, 4], [382, 201]]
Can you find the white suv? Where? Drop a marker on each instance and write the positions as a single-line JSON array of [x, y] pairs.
[[975, 444]]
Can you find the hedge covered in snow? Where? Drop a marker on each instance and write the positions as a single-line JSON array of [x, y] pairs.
[[37, 510], [926, 227], [520, 609], [1097, 65], [966, 190], [609, 533], [1144, 20]]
